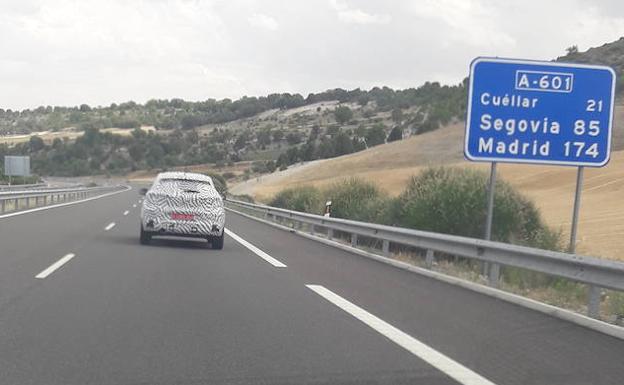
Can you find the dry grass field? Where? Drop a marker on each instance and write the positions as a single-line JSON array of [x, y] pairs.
[[70, 133], [601, 226], [148, 175]]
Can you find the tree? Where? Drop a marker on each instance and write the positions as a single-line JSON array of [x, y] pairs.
[[342, 144], [314, 133], [264, 137], [572, 50], [278, 135], [36, 143], [375, 135], [395, 134], [241, 141], [363, 100], [293, 138], [397, 115], [85, 108], [343, 114]]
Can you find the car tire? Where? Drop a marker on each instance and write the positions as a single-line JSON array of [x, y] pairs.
[[217, 242], [145, 237]]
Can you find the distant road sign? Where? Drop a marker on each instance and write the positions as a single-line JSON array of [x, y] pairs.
[[539, 112], [17, 165]]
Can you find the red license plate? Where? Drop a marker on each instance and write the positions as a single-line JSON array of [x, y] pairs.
[[182, 217]]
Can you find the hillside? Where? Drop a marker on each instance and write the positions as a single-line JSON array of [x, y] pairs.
[[552, 188], [610, 54], [273, 131]]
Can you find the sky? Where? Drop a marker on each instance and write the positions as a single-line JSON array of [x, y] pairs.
[[69, 52]]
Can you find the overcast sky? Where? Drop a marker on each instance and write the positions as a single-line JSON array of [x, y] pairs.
[[66, 52]]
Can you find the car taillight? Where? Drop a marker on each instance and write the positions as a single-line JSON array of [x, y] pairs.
[[182, 217]]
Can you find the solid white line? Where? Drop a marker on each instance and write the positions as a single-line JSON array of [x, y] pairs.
[[110, 226], [55, 266], [255, 250], [126, 212], [63, 204], [434, 358]]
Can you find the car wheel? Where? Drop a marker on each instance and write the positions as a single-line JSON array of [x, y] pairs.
[[217, 242], [145, 237]]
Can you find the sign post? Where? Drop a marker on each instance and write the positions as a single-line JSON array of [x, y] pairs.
[[575, 211], [522, 111], [493, 269]]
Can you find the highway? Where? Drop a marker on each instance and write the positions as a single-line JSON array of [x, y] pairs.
[[82, 302]]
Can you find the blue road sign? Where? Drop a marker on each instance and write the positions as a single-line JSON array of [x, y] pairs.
[[539, 112]]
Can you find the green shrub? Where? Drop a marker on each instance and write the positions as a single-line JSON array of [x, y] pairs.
[[358, 200], [453, 201], [304, 198]]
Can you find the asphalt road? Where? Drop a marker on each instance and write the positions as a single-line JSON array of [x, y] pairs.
[[270, 308]]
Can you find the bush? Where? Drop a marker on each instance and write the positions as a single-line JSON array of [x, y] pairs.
[[358, 200], [304, 198], [453, 201]]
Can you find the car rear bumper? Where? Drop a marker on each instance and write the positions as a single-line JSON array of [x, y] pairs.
[[183, 228]]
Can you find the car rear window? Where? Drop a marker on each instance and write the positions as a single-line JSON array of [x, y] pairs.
[[185, 184]]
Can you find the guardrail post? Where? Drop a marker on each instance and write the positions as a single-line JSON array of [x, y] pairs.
[[16, 204], [2, 205], [330, 234], [494, 274], [45, 200], [353, 240], [593, 301], [385, 247], [429, 259], [312, 229], [27, 202]]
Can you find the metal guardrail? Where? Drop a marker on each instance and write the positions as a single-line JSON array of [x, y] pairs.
[[11, 201], [595, 272]]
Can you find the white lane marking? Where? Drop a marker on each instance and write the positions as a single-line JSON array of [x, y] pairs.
[[255, 250], [134, 205], [128, 188], [110, 226], [55, 266], [434, 358], [126, 212]]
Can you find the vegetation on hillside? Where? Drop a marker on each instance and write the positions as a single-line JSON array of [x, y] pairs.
[[274, 142], [437, 101], [97, 153], [609, 54]]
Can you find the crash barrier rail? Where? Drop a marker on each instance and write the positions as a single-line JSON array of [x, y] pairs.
[[595, 272], [25, 199]]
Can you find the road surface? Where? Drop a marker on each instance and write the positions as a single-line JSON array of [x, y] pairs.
[[82, 302]]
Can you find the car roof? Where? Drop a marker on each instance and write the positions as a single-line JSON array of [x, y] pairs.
[[184, 175]]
